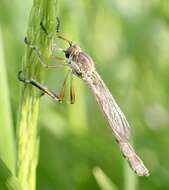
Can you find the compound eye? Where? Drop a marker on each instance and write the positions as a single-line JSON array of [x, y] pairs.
[[67, 55]]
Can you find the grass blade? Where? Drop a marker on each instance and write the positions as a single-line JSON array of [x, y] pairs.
[[103, 180], [7, 145]]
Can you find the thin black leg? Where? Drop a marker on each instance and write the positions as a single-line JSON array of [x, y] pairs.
[[58, 35], [39, 86]]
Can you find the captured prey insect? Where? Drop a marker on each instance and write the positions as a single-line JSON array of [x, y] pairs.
[[82, 66]]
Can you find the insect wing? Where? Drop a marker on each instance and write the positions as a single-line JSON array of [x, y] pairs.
[[109, 107]]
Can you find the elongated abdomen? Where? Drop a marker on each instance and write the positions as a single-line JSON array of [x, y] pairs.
[[109, 107], [117, 122]]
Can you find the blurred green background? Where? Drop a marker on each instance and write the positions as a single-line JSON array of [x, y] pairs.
[[129, 42]]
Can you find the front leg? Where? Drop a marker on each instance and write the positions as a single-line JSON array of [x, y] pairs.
[[42, 61]]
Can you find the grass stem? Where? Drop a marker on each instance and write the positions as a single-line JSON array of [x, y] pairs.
[[27, 130]]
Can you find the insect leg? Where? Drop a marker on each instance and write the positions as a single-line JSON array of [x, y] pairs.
[[58, 24], [62, 91], [39, 86], [42, 61], [43, 28], [58, 35], [72, 91]]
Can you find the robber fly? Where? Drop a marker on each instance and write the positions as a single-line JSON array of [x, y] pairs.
[[82, 66]]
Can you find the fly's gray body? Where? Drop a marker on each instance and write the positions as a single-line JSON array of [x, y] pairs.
[[83, 67]]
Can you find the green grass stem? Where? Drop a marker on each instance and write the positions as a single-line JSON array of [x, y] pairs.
[[27, 129]]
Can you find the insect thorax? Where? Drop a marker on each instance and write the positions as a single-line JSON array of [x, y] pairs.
[[80, 63]]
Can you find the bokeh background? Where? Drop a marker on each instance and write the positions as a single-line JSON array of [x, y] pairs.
[[129, 42]]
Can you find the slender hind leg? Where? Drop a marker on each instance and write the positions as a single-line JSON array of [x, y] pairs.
[[44, 89], [72, 91], [38, 85], [62, 91]]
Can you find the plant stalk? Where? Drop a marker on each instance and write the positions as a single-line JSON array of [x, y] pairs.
[[27, 129]]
